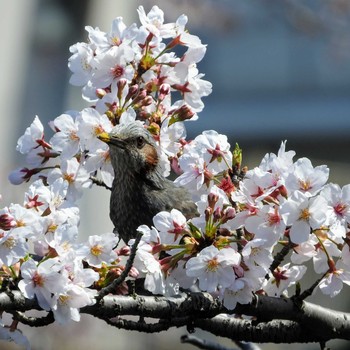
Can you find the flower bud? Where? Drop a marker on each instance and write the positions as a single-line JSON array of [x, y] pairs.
[[229, 214], [6, 222], [208, 212], [101, 93], [217, 214], [181, 114], [140, 96], [124, 251], [237, 157], [20, 175], [147, 101], [212, 200], [175, 167], [164, 90], [132, 92], [121, 85]]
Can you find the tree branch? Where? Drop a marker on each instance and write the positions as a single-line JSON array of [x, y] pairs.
[[277, 320]]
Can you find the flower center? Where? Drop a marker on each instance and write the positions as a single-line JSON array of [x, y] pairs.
[[64, 299], [116, 40], [274, 219], [73, 136], [10, 243], [69, 178], [96, 250], [117, 71], [98, 129], [38, 280], [304, 214], [340, 208], [212, 265], [305, 185]]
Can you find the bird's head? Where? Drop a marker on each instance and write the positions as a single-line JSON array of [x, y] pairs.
[[132, 148]]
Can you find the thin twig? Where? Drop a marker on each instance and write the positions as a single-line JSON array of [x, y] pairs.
[[306, 293], [279, 257], [129, 263], [99, 182], [35, 321]]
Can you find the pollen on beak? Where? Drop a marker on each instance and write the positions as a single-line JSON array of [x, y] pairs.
[[112, 139], [104, 136]]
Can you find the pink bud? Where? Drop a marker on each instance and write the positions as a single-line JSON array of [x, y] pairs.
[[124, 251], [147, 101], [132, 92], [164, 90], [229, 214], [140, 96], [7, 222], [121, 85], [212, 200], [20, 175], [207, 212], [217, 214]]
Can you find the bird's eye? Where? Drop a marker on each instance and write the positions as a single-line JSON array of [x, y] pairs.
[[140, 142]]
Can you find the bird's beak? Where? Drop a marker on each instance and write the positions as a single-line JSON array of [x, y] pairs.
[[111, 140], [104, 137]]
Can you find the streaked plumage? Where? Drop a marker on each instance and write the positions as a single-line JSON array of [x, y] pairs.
[[139, 190]]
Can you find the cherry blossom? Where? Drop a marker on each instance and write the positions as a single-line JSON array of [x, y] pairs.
[[13, 247], [90, 124], [303, 215], [32, 138], [99, 249], [171, 226], [266, 223], [338, 200], [282, 278], [113, 66], [306, 178], [14, 335], [213, 268], [42, 281], [76, 294], [76, 176], [66, 140], [333, 282], [217, 152], [80, 63]]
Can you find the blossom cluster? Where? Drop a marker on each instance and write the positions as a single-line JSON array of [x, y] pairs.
[[130, 73], [228, 250], [245, 216]]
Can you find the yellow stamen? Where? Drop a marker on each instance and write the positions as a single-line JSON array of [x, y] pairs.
[[96, 250], [212, 265]]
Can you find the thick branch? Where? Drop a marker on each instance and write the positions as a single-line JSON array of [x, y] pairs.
[[275, 319]]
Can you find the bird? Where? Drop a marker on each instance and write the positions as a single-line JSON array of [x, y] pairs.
[[139, 189]]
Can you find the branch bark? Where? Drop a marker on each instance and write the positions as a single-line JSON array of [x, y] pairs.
[[276, 320]]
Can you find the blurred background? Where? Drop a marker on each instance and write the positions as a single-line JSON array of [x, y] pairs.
[[280, 70]]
